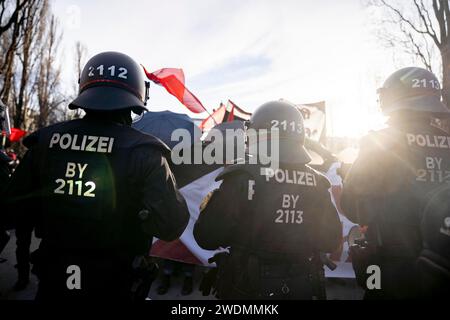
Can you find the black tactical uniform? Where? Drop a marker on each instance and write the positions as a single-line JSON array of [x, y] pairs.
[[98, 189], [274, 220], [434, 261], [397, 171]]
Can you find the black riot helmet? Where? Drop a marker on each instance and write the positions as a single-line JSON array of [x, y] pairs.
[[112, 81], [285, 117], [412, 89]]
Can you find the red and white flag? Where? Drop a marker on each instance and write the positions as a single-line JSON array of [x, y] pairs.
[[236, 113], [16, 134], [214, 119], [186, 249], [228, 113], [173, 80]]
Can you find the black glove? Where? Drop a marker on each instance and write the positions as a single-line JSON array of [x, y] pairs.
[[208, 281]]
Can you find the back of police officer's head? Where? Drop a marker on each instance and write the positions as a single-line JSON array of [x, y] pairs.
[[111, 86], [118, 116], [412, 94], [281, 121]]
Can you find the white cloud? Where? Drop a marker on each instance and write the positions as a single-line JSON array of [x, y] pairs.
[[300, 50]]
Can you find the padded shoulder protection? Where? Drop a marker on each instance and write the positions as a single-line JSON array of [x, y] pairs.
[[239, 169]]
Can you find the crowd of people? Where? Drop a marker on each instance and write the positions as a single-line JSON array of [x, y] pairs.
[[97, 191]]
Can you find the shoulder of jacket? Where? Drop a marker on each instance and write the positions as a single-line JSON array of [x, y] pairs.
[[141, 139], [380, 139], [373, 136], [238, 169], [35, 137]]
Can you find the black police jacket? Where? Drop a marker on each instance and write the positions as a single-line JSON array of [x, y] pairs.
[[285, 213], [435, 226], [84, 182], [396, 173]]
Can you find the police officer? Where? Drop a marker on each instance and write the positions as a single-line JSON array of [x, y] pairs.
[[274, 219], [398, 169], [97, 189]]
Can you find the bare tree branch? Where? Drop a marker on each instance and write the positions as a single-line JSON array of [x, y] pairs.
[[13, 18], [418, 51], [424, 15], [410, 23], [419, 27], [439, 13], [446, 6]]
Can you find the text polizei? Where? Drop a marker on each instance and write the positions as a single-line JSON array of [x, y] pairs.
[[428, 141], [290, 176], [82, 142]]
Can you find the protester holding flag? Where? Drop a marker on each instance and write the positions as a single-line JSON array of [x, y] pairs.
[[274, 220]]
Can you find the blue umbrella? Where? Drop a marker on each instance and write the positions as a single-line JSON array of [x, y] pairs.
[[162, 124]]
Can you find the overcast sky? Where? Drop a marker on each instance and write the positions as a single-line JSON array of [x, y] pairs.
[[248, 51]]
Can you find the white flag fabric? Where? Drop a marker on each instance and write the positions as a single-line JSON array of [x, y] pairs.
[[195, 192], [314, 120], [340, 257]]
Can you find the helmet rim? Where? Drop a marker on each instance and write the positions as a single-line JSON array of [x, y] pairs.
[[429, 104], [107, 98], [412, 89]]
